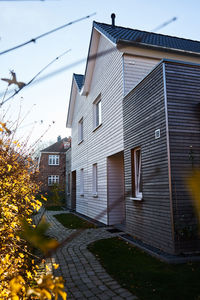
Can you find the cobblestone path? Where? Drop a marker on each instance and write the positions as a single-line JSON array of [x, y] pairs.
[[84, 276]]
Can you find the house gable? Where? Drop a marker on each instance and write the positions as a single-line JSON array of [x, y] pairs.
[[77, 82]]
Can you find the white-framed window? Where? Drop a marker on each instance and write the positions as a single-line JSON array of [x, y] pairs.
[[136, 173], [81, 182], [94, 180], [97, 118], [80, 130], [52, 179], [53, 160]]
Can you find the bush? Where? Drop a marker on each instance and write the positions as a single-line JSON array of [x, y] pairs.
[[18, 185]]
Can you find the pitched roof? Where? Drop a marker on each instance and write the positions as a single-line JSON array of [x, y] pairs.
[[79, 80], [117, 34], [58, 146]]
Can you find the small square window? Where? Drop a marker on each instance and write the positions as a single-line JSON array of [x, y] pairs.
[[97, 112], [136, 173], [53, 160], [80, 130], [52, 179]]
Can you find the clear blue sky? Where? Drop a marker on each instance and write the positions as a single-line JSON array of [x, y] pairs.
[[22, 20]]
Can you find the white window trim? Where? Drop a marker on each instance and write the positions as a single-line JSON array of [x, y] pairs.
[[97, 113], [137, 174], [95, 180], [81, 182], [52, 179], [53, 160], [80, 131]]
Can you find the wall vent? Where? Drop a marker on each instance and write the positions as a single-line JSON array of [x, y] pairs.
[[157, 133]]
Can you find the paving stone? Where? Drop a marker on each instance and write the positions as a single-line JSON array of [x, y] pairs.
[[84, 277]]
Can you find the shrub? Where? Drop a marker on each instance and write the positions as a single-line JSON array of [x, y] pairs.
[[18, 185]]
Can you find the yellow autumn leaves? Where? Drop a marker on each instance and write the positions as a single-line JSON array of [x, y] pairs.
[[19, 277], [194, 188]]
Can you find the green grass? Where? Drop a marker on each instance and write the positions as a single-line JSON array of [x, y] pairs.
[[54, 208], [145, 276], [73, 222]]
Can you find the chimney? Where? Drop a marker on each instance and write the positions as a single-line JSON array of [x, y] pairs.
[[113, 20], [59, 138]]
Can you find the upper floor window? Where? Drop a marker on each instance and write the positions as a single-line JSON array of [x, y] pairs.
[[52, 179], [97, 112], [136, 174], [53, 159], [80, 130]]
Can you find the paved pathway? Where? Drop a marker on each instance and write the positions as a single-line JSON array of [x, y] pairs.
[[85, 277]]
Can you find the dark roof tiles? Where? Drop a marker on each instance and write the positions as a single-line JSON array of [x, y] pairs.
[[58, 146], [79, 80], [116, 33]]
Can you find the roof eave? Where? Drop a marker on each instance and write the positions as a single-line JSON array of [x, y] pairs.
[[74, 89], [121, 42], [90, 61]]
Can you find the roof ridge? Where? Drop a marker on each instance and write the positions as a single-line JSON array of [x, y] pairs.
[[148, 32]]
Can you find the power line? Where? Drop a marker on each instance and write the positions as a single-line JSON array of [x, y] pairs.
[[165, 24], [33, 40], [56, 72], [26, 0], [27, 84], [49, 75]]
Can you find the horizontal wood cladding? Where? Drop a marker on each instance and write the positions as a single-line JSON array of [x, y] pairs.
[[183, 102], [144, 112], [135, 69], [107, 82]]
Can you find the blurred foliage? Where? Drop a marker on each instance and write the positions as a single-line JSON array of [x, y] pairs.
[[37, 236], [18, 184], [56, 195], [193, 182]]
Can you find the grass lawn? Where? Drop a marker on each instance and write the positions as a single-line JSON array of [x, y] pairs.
[[73, 222], [145, 276]]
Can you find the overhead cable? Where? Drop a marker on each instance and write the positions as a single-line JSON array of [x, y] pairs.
[[27, 84], [33, 40]]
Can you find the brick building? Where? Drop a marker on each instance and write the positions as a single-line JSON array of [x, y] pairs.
[[52, 164]]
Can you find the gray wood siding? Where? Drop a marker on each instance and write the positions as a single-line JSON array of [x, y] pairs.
[[135, 69], [144, 111], [183, 98]]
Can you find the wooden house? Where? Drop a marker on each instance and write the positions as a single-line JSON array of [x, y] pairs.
[[118, 60], [161, 149]]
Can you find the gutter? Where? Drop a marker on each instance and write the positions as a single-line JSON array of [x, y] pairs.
[[122, 42]]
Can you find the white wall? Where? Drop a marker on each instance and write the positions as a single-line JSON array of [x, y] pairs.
[[104, 141], [135, 69]]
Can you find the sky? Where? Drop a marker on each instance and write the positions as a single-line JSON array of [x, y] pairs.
[[41, 108]]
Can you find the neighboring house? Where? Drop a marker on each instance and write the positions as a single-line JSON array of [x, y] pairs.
[[121, 58], [52, 164]]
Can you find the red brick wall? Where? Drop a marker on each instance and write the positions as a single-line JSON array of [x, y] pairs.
[[45, 169]]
